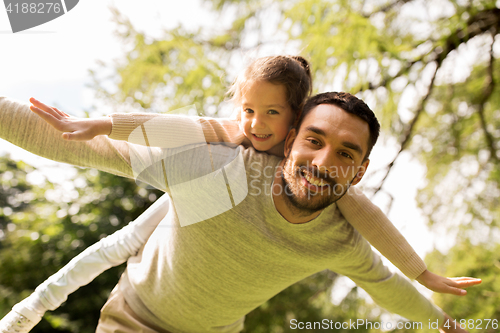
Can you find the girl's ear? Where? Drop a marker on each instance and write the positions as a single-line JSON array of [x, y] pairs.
[[290, 138]]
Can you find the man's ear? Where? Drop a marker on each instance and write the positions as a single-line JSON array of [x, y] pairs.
[[361, 172], [290, 138]]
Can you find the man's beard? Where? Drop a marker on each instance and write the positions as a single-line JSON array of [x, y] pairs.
[[308, 203]]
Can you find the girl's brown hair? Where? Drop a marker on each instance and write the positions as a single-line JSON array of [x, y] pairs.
[[290, 71]]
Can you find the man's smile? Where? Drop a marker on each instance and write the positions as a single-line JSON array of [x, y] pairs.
[[311, 182]]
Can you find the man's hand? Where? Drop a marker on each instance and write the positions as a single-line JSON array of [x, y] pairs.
[[444, 285], [451, 326], [72, 128]]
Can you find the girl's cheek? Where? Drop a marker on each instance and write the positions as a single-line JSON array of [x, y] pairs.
[[284, 130], [244, 125]]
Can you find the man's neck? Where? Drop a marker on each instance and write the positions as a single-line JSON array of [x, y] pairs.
[[283, 204]]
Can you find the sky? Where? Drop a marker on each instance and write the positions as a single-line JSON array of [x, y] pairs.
[[51, 62]]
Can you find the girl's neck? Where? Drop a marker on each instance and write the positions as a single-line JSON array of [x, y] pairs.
[[278, 150]]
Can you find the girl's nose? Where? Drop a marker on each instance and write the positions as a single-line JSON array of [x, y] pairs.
[[257, 122]]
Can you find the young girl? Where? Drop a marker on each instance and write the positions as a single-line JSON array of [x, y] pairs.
[[270, 94]]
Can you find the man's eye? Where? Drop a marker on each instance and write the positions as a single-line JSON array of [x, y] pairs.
[[314, 142], [346, 155]]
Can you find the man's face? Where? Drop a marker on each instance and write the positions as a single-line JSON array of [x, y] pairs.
[[324, 158]]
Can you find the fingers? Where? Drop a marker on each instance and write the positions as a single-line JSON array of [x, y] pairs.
[[64, 114], [457, 291], [48, 117], [454, 285], [45, 108], [464, 282], [75, 136]]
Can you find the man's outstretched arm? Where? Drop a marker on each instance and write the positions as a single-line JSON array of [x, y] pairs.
[[20, 126]]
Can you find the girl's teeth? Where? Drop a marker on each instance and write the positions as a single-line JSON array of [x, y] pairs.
[[262, 136]]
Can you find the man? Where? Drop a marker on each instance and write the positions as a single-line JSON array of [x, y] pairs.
[[205, 277]]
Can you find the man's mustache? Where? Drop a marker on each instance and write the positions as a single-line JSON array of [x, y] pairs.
[[315, 172]]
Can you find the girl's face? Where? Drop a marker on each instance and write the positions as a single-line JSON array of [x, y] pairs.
[[266, 116]]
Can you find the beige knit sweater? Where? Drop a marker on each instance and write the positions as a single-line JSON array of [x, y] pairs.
[[359, 211]]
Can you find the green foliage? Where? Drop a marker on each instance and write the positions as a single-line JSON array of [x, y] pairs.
[[466, 259], [167, 74], [45, 226], [307, 301]]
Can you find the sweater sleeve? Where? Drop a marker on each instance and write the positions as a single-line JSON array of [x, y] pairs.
[[158, 128], [375, 227], [25, 129], [390, 291]]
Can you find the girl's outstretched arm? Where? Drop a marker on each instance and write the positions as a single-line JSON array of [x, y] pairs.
[[27, 130], [379, 231], [375, 227], [446, 285], [31, 132], [150, 129]]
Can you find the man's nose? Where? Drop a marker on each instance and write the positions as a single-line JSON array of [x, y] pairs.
[[324, 160]]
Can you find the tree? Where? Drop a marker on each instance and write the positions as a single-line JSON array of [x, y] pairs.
[[43, 227]]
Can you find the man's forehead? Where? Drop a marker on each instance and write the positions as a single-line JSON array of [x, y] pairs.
[[322, 113], [329, 119]]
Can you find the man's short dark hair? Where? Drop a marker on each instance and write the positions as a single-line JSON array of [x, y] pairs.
[[350, 104]]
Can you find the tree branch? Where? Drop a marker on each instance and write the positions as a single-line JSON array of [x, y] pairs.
[[408, 132], [490, 85], [480, 23], [387, 7], [484, 21]]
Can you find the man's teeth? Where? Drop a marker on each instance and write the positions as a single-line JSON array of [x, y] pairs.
[[262, 136], [314, 181]]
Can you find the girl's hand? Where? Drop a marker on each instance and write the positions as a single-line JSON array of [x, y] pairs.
[[444, 285], [72, 128]]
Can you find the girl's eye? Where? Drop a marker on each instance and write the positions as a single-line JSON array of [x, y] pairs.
[[248, 110], [273, 112]]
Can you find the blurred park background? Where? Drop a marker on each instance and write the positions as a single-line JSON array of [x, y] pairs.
[[429, 70]]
